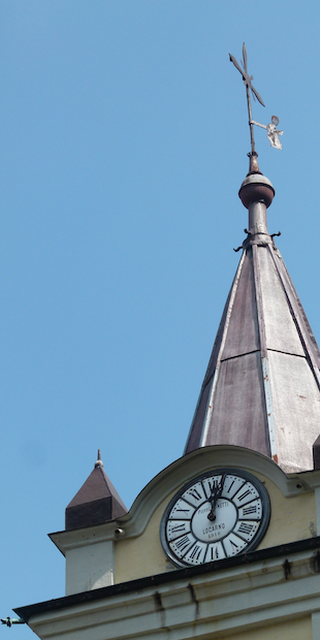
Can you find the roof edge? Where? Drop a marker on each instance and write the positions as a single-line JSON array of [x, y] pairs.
[[164, 578]]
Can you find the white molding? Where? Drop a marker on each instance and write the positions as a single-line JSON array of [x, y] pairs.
[[316, 625], [228, 601], [317, 499]]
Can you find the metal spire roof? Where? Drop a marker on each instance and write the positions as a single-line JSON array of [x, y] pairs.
[[261, 389]]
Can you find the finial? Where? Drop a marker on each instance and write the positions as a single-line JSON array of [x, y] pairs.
[[272, 132], [99, 462]]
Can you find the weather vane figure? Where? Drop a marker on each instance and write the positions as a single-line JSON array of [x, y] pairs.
[[272, 131]]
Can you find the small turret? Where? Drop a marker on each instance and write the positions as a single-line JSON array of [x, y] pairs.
[[88, 539]]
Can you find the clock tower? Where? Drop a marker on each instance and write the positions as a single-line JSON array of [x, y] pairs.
[[225, 542]]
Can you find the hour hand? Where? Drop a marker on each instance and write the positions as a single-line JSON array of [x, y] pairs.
[[212, 514]]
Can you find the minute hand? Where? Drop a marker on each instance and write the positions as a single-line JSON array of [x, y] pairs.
[[215, 495]]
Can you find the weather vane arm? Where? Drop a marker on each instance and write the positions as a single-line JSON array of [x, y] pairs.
[[263, 126], [248, 84], [245, 76]]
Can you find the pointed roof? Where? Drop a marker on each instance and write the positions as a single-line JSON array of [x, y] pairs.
[[96, 502], [261, 389]]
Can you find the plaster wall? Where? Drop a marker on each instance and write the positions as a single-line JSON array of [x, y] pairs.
[[89, 567], [142, 556], [292, 518]]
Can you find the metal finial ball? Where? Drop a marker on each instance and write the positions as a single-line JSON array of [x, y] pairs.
[[99, 462]]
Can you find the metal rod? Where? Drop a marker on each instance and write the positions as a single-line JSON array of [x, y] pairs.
[[248, 84], [253, 148]]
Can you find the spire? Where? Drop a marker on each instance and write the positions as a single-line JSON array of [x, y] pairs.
[[261, 389], [96, 502]]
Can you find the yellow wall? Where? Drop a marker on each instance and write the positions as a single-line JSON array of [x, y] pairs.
[[298, 629], [291, 519], [142, 556]]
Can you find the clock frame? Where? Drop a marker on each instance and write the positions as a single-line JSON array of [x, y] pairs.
[[216, 515]]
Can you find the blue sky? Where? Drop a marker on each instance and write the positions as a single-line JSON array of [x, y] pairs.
[[123, 131]]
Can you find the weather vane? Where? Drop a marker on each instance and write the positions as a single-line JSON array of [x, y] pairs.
[[272, 131]]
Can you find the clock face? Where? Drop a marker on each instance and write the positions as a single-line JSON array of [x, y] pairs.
[[217, 515]]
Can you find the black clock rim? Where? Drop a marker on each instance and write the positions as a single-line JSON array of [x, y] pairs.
[[265, 520]]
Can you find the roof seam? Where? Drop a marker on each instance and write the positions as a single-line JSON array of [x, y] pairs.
[[247, 353], [240, 355], [268, 404]]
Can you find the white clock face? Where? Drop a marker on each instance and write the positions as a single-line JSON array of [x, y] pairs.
[[217, 515]]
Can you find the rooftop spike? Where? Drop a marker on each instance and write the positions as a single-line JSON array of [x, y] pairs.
[[99, 462]]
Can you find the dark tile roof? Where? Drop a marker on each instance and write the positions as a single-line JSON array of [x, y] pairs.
[[96, 502]]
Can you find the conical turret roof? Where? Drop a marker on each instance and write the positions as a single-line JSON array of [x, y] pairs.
[[261, 389]]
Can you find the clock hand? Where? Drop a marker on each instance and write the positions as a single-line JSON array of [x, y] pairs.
[[215, 495]]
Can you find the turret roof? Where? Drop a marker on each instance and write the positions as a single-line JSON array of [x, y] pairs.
[[97, 501]]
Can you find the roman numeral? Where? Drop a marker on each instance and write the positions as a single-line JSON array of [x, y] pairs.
[[195, 494], [232, 483], [214, 553], [195, 552], [244, 495], [234, 544], [183, 543], [245, 528], [247, 510], [178, 527]]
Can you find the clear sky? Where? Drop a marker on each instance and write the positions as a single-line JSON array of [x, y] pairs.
[[123, 131]]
